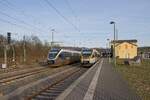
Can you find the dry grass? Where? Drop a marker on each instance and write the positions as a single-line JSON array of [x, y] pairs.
[[138, 78]]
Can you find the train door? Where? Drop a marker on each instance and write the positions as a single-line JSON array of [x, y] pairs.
[[62, 58], [92, 60]]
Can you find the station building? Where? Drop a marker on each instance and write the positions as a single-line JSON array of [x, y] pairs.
[[125, 49]]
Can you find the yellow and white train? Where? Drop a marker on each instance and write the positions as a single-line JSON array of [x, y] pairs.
[[89, 56]]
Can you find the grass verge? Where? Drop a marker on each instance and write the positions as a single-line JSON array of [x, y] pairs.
[[138, 78]]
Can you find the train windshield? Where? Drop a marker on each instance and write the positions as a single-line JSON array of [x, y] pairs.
[[53, 53], [86, 53]]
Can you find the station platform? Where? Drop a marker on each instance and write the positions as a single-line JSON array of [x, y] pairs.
[[100, 82]]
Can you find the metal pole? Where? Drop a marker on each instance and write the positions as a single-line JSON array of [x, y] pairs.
[[13, 48], [24, 50], [108, 50], [116, 34], [114, 43], [52, 38], [5, 54], [74, 43]]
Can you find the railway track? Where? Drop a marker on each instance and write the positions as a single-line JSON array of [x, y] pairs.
[[9, 79], [22, 71], [22, 68], [13, 69], [52, 91]]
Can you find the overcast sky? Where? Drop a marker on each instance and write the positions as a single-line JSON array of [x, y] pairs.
[[77, 22]]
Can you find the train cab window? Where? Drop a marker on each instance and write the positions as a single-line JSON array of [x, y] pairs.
[[86, 53], [53, 53]]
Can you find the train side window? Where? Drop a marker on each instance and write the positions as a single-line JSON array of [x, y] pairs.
[[62, 55], [66, 54]]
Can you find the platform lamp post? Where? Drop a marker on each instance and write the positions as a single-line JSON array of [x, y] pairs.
[[108, 40], [114, 56]]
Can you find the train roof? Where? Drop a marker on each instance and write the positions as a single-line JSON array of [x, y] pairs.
[[72, 51], [89, 49], [93, 50], [66, 50]]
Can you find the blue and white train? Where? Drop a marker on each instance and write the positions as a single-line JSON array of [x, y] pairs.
[[58, 57]]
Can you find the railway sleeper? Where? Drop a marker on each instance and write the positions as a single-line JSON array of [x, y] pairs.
[[41, 97]]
